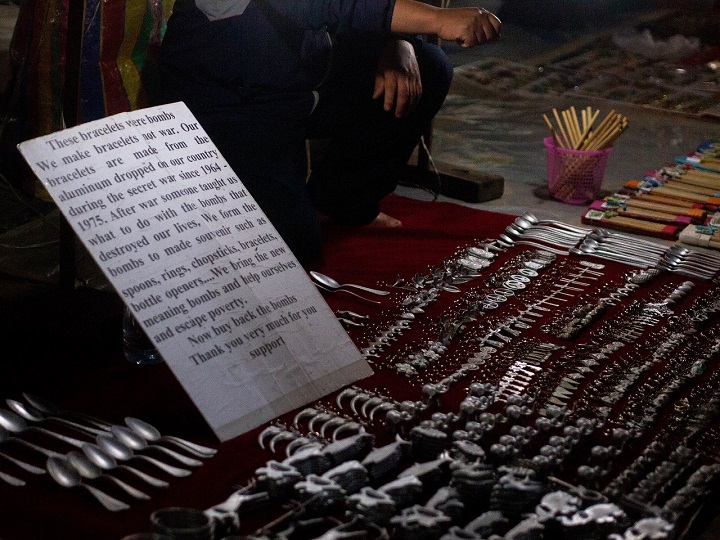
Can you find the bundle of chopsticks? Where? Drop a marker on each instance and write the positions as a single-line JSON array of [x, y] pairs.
[[578, 133]]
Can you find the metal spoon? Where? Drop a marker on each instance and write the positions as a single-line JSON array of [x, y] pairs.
[[323, 288], [23, 465], [562, 240], [12, 480], [152, 434], [623, 250], [584, 250], [50, 408], [522, 224], [136, 442], [535, 221], [627, 238], [66, 475], [5, 436], [695, 255], [655, 250], [15, 423], [511, 242], [35, 415], [105, 461], [89, 470], [123, 452], [330, 283], [673, 264]]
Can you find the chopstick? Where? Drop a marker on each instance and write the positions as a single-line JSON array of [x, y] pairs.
[[578, 134]]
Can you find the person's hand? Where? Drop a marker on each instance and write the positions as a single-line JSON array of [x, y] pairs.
[[397, 78], [468, 26]]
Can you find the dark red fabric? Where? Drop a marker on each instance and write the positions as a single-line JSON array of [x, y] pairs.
[[78, 363]]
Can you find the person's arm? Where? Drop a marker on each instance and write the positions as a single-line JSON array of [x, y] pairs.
[[466, 26], [397, 78]]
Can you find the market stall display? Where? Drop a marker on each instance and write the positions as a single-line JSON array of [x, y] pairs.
[[511, 374]]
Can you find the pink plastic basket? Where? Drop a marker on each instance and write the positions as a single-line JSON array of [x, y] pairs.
[[575, 176]]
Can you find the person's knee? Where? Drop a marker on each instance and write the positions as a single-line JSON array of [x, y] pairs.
[[436, 73], [435, 68]]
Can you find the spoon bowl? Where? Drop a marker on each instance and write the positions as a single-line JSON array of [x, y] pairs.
[[66, 475], [4, 436], [107, 462]]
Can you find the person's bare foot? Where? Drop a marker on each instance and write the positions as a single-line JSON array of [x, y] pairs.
[[383, 221]]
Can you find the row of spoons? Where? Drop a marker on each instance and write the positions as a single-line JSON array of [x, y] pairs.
[[98, 459], [564, 239]]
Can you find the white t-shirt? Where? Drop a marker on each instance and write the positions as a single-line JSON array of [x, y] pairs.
[[221, 9]]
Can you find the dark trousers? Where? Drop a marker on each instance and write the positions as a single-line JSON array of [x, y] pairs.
[[367, 148]]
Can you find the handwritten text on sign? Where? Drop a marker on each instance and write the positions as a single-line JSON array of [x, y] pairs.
[[196, 260]]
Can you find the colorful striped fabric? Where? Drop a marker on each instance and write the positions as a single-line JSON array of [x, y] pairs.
[[119, 51]]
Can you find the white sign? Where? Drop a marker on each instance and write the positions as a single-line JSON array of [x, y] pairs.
[[210, 280]]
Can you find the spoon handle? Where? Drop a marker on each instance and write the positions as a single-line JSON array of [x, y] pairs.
[[59, 436], [170, 469], [111, 503], [151, 480], [13, 481], [185, 460], [130, 490], [322, 288], [197, 449], [41, 449], [367, 289], [23, 465], [537, 245], [76, 426]]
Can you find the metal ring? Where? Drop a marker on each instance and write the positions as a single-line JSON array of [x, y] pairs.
[[505, 292]]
